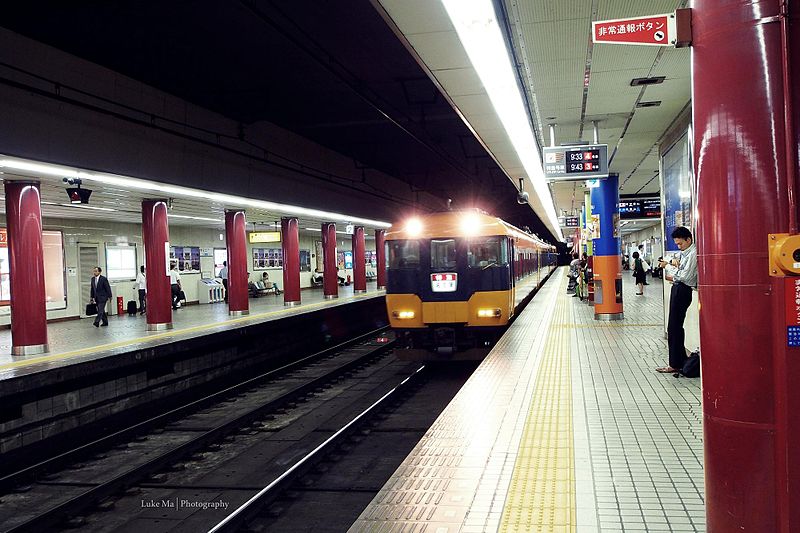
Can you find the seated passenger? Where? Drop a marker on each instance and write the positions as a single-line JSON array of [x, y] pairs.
[[268, 285], [316, 277]]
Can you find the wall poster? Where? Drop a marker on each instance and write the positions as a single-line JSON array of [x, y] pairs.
[[264, 258], [187, 258]]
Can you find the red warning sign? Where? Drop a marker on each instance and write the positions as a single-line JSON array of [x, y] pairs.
[[655, 30]]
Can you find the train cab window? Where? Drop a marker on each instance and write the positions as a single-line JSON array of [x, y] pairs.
[[485, 252], [443, 254], [403, 254]]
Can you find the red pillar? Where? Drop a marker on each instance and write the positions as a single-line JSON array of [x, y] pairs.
[[290, 237], [330, 281], [359, 261], [380, 250], [26, 268], [750, 376], [155, 235], [236, 240]]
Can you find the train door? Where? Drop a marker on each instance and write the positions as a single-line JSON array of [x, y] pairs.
[[88, 258]]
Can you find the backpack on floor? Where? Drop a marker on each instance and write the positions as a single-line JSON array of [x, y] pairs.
[[691, 368], [131, 307]]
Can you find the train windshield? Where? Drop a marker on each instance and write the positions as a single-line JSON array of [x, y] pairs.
[[443, 254], [484, 252], [403, 254]]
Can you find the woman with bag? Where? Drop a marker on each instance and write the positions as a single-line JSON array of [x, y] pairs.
[[639, 273]]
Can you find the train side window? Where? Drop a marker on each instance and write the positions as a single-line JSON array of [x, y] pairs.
[[484, 252], [443, 254], [403, 254]]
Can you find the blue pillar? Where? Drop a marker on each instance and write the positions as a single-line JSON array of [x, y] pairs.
[[607, 265]]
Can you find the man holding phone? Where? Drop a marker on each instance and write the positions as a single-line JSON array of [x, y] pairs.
[[683, 281]]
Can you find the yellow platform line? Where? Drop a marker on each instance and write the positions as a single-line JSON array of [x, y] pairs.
[[541, 495], [170, 333]]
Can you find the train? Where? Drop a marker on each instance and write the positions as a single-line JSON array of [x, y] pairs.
[[455, 280]]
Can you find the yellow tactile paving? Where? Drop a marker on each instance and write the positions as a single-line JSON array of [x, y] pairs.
[[541, 496]]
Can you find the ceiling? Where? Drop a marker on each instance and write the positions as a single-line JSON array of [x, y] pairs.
[[387, 83], [569, 82]]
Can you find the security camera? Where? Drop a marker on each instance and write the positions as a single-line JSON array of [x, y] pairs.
[[522, 196], [72, 181]]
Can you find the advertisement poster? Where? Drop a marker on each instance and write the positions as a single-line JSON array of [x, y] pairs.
[[264, 258], [186, 257], [677, 187]]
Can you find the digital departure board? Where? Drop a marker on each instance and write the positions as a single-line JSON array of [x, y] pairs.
[[635, 208], [565, 163], [578, 161]]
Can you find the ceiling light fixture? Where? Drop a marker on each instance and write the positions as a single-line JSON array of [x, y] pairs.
[[195, 218], [482, 39], [84, 206], [128, 183]]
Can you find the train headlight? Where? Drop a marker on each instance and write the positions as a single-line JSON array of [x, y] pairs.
[[489, 313], [403, 315], [414, 227]]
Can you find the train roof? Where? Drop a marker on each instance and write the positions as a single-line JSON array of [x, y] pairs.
[[458, 224]]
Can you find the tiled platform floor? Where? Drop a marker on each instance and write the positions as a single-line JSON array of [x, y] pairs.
[[77, 340], [507, 456]]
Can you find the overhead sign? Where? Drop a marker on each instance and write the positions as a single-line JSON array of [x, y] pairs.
[[349, 229], [634, 208], [568, 163], [572, 222], [669, 29], [264, 236]]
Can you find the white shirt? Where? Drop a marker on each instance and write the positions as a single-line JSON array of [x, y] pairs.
[[141, 282], [174, 277], [223, 272], [687, 267]]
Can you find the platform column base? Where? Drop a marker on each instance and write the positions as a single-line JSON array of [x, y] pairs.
[[331, 296], [159, 327], [239, 313], [608, 317], [359, 291], [31, 349], [291, 304]]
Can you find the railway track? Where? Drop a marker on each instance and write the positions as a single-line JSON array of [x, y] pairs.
[[76, 488]]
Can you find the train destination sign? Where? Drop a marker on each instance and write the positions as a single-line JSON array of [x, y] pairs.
[[565, 163]]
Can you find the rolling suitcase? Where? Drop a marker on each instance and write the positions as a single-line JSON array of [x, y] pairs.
[[131, 307]]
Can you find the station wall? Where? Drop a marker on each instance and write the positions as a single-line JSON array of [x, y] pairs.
[[60, 109], [81, 236]]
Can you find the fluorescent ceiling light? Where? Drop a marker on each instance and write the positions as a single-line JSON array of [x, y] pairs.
[[320, 230], [84, 206], [196, 218], [128, 183], [480, 35]]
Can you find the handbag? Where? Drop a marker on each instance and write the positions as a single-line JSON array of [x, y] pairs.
[[91, 309]]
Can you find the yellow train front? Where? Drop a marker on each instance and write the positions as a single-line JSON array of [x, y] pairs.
[[453, 282]]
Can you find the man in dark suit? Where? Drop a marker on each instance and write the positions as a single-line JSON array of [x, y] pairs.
[[101, 293]]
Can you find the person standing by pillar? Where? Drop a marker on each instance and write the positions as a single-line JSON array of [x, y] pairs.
[[100, 294], [175, 285], [141, 285], [223, 273], [683, 281]]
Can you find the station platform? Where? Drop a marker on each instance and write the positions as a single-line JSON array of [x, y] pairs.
[[76, 341], [565, 427], [94, 376]]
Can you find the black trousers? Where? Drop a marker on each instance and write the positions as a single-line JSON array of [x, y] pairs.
[[176, 294], [225, 285], [101, 312], [142, 300], [679, 302]]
